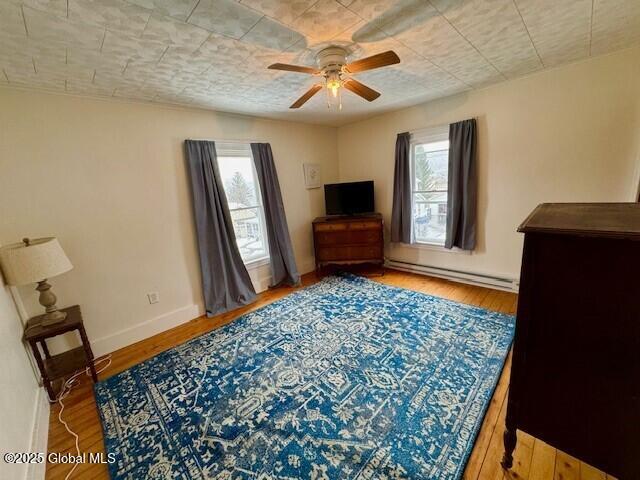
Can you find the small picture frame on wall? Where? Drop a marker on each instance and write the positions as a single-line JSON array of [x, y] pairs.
[[312, 175]]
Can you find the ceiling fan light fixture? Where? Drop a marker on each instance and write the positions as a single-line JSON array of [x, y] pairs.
[[334, 83], [334, 91], [333, 86], [333, 66]]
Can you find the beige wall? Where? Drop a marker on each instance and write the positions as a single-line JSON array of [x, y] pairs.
[[568, 134], [20, 398], [108, 179]]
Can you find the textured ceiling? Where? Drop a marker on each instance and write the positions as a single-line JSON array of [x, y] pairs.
[[214, 53]]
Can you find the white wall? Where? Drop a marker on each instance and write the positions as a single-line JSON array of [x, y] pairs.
[[21, 400], [109, 180], [568, 134]]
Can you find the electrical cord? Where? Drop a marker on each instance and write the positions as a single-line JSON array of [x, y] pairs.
[[64, 393]]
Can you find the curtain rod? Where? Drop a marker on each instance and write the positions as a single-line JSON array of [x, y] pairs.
[[431, 127], [442, 125], [220, 140]]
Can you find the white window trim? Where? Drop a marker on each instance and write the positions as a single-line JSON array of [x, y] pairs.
[[438, 248], [431, 134], [238, 149], [427, 135], [258, 262]]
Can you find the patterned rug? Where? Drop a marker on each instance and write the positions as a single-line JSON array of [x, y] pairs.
[[345, 379]]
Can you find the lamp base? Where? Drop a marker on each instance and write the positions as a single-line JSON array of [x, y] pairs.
[[48, 301], [53, 318]]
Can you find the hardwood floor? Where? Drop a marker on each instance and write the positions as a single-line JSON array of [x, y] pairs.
[[533, 459]]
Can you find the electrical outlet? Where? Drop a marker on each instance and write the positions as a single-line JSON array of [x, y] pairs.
[[154, 297]]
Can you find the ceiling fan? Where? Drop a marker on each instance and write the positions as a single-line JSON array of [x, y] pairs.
[[336, 73]]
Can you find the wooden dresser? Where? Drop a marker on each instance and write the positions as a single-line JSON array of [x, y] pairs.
[[348, 240], [575, 377]]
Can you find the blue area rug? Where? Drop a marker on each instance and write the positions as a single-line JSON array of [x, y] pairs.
[[345, 379]]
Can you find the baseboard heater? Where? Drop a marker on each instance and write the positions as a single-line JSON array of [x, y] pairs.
[[489, 281]]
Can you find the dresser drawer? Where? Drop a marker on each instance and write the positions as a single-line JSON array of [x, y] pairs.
[[349, 237], [330, 227], [365, 252], [364, 225], [342, 253]]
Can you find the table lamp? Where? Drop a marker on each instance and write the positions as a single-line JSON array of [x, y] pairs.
[[35, 261]]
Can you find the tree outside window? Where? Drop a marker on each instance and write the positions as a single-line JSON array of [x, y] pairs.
[[245, 204]]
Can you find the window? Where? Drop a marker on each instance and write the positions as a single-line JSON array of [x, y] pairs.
[[429, 172], [242, 190]]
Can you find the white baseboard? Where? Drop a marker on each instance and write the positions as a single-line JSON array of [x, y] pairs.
[[260, 278], [262, 284], [472, 278], [39, 435], [146, 329], [166, 321]]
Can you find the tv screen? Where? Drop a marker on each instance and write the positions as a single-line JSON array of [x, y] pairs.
[[349, 198]]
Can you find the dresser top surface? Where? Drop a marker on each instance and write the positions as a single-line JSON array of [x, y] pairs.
[[616, 220], [348, 218]]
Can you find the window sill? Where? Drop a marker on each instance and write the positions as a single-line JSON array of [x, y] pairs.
[[257, 262], [436, 248]]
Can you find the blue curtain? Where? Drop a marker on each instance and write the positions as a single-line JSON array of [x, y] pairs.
[[462, 195], [225, 281], [401, 211], [283, 262]]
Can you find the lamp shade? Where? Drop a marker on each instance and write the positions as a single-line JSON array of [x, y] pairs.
[[38, 260]]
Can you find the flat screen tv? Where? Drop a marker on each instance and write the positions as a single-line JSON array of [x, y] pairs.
[[352, 198]]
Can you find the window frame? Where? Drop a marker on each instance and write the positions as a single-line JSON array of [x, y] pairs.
[[424, 137], [243, 150]]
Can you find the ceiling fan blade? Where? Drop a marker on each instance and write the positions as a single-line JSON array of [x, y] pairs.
[[361, 89], [307, 95], [293, 68], [375, 61]]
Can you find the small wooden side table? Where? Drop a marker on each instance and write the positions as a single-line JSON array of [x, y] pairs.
[[58, 366]]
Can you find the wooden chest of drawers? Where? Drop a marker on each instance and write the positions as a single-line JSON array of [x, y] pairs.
[[347, 240], [575, 375]]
